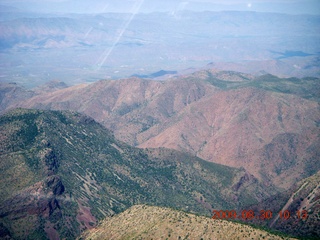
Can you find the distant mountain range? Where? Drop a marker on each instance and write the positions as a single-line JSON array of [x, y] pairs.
[[79, 48]]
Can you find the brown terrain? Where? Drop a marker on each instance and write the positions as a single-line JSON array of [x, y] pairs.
[[273, 135], [264, 132]]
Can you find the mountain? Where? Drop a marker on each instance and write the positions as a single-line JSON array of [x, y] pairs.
[[61, 172], [11, 94], [42, 32], [266, 124], [148, 222], [257, 127], [50, 87]]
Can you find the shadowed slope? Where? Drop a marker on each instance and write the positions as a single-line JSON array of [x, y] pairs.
[[62, 171]]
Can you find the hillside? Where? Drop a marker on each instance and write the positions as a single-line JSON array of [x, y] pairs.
[[271, 134], [148, 222], [61, 172], [302, 202], [266, 124]]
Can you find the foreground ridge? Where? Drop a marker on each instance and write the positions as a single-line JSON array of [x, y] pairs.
[[149, 222]]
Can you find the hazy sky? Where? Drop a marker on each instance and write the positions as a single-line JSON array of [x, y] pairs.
[[97, 6]]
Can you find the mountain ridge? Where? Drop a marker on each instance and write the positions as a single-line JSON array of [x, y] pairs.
[[64, 172], [224, 117], [148, 222]]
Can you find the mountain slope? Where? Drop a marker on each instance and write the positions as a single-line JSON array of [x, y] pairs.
[[300, 207], [272, 135], [147, 222], [266, 124], [61, 172]]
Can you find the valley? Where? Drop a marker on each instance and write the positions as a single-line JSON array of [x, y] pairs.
[[79, 48], [141, 119]]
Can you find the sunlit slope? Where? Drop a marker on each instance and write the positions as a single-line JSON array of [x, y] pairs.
[[147, 222], [61, 172]]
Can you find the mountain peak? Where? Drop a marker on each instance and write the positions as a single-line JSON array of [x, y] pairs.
[[51, 86]]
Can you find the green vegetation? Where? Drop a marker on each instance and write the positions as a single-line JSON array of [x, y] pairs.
[[148, 222], [68, 170]]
